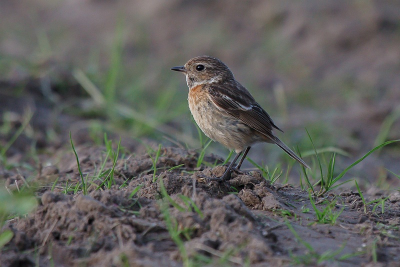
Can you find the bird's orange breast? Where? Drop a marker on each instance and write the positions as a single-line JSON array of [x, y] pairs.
[[197, 94], [202, 109]]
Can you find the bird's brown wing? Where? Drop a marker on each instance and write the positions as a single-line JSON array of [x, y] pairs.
[[237, 101]]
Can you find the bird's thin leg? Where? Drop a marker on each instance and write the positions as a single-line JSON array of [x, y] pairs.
[[243, 157], [227, 173]]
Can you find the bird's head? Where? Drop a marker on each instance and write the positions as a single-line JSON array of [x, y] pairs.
[[204, 70]]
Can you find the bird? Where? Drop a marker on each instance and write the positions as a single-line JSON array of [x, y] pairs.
[[226, 111]]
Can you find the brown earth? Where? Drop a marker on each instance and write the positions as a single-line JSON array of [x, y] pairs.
[[243, 221]]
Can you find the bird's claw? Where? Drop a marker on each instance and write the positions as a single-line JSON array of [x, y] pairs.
[[237, 171], [223, 178]]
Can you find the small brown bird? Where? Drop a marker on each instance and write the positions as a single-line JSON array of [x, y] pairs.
[[225, 111]]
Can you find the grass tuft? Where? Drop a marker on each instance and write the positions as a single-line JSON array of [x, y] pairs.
[[202, 154], [25, 122], [155, 160], [271, 177], [109, 174], [84, 188], [328, 215], [329, 181]]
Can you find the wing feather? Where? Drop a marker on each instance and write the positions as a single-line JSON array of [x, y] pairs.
[[237, 102]]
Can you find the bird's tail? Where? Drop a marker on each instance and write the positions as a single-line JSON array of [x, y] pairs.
[[290, 152]]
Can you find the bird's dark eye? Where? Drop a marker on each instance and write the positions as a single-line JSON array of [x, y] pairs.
[[200, 67]]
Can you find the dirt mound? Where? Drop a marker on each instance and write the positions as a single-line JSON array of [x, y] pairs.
[[175, 216]]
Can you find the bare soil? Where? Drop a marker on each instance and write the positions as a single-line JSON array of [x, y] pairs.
[[244, 222], [108, 227]]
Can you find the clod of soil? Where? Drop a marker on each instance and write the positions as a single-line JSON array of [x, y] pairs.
[[244, 221]]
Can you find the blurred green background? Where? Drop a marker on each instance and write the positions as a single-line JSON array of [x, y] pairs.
[[331, 67]]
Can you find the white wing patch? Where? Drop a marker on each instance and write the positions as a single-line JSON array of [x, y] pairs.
[[237, 103], [245, 107], [228, 99], [214, 79]]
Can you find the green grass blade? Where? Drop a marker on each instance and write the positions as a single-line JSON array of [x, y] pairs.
[[25, 122], [110, 173], [5, 237], [303, 169], [318, 213], [164, 193], [79, 165], [171, 224], [330, 149], [396, 175], [297, 236], [155, 160], [175, 167], [103, 165], [275, 178], [386, 126], [362, 196], [330, 255], [265, 172], [114, 71], [318, 159], [89, 87], [199, 132], [229, 157], [134, 191], [202, 154], [361, 159], [331, 171], [192, 204], [336, 186]]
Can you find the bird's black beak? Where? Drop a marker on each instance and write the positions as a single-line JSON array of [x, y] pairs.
[[180, 68]]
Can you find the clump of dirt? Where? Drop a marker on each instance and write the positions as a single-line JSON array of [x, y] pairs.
[[244, 221]]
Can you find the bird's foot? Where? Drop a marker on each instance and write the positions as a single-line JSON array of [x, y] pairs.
[[237, 170], [224, 178]]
